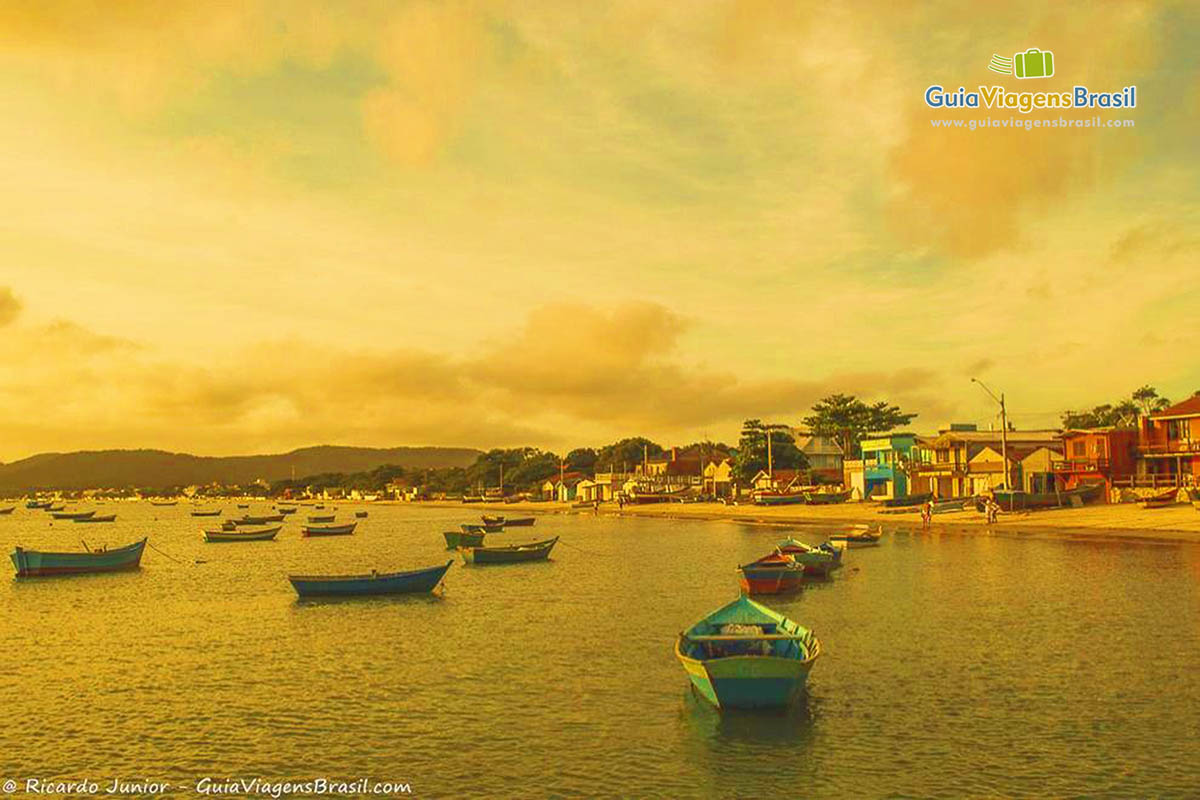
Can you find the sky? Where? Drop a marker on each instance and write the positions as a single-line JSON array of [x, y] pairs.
[[278, 224]]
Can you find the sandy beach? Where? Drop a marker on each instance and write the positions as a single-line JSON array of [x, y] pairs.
[[1180, 523]]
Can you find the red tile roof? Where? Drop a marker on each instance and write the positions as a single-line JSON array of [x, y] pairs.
[[1186, 408]]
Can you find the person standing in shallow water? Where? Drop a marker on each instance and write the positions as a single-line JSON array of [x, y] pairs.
[[927, 513]]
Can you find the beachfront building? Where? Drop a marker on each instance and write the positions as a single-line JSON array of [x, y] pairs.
[[944, 466], [603, 488], [1038, 471], [886, 459], [717, 479], [1097, 455], [1168, 452], [824, 454], [779, 480], [561, 488]]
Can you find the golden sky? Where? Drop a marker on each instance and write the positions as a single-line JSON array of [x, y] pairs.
[[246, 229]]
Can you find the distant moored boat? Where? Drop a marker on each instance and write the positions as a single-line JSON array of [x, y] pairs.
[[457, 539], [94, 518], [262, 535], [319, 518], [510, 554], [72, 514], [328, 530], [199, 513], [8, 510]]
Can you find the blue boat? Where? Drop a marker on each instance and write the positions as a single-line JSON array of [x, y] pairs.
[[415, 581], [35, 563], [745, 655]]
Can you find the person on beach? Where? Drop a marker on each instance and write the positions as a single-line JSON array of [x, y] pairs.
[[927, 513], [993, 511]]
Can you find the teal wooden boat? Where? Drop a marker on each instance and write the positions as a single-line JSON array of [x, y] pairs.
[[825, 498], [457, 539], [376, 583], [36, 563], [242, 535], [773, 498], [818, 561], [745, 655], [491, 527], [321, 518], [511, 554]]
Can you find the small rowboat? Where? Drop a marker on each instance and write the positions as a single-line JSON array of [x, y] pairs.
[[360, 514], [861, 536], [492, 520], [745, 655], [1163, 500], [319, 518], [261, 535], [825, 498], [163, 502], [261, 519], [511, 554], [328, 530], [243, 505], [199, 513], [38, 504], [35, 563], [94, 518], [457, 539], [283, 510], [819, 561], [319, 507], [908, 500], [471, 527], [52, 509], [773, 498], [773, 574], [72, 514], [519, 522], [6, 511], [415, 581]]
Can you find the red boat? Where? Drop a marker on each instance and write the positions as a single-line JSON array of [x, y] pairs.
[[773, 574]]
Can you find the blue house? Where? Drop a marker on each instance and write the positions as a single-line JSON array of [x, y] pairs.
[[884, 457]]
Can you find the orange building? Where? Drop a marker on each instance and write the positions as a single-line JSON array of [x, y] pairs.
[[1097, 455], [1169, 444]]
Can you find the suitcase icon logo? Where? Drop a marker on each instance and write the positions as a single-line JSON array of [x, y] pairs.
[[1033, 63]]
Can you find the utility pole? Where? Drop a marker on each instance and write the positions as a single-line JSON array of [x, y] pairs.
[[1003, 430]]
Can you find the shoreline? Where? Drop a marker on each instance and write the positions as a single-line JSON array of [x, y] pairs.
[[1123, 522]]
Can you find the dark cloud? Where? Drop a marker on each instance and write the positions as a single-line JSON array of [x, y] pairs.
[[10, 306]]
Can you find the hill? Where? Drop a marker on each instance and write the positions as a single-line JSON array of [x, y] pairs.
[[122, 468]]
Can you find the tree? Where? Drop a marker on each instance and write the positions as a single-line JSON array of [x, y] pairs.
[[752, 449], [1123, 414], [849, 420], [582, 459], [626, 454]]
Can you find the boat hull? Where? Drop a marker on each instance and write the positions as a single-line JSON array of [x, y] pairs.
[[770, 581], [413, 582], [536, 551], [242, 536], [519, 522], [749, 682], [780, 499], [328, 530], [33, 563]]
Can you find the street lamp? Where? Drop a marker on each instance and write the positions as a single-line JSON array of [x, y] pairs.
[[1003, 428]]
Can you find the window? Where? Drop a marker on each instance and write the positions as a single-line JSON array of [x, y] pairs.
[[1099, 448], [1079, 448]]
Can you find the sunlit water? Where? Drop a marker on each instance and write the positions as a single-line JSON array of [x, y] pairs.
[[953, 665]]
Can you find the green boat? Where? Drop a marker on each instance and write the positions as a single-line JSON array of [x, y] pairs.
[[745, 655], [511, 554], [457, 539]]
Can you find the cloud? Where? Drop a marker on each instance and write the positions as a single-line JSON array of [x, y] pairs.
[[10, 306]]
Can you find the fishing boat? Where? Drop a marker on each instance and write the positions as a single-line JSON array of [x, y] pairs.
[[510, 554], [472, 527], [52, 509], [243, 505], [283, 510], [951, 504], [72, 514], [319, 518], [319, 507], [825, 498], [492, 520], [35, 563], [360, 515], [643, 496], [907, 500], [412, 582], [260, 535], [199, 513], [260, 519], [328, 530], [776, 573], [818, 561], [6, 511], [163, 502], [519, 522], [744, 655], [97, 518], [1013, 500], [859, 536], [36, 504], [767, 497], [1162, 500], [457, 539]]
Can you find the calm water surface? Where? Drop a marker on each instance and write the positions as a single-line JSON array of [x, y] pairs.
[[954, 665]]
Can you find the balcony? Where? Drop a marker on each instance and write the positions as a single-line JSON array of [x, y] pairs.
[[1173, 447], [1078, 465]]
